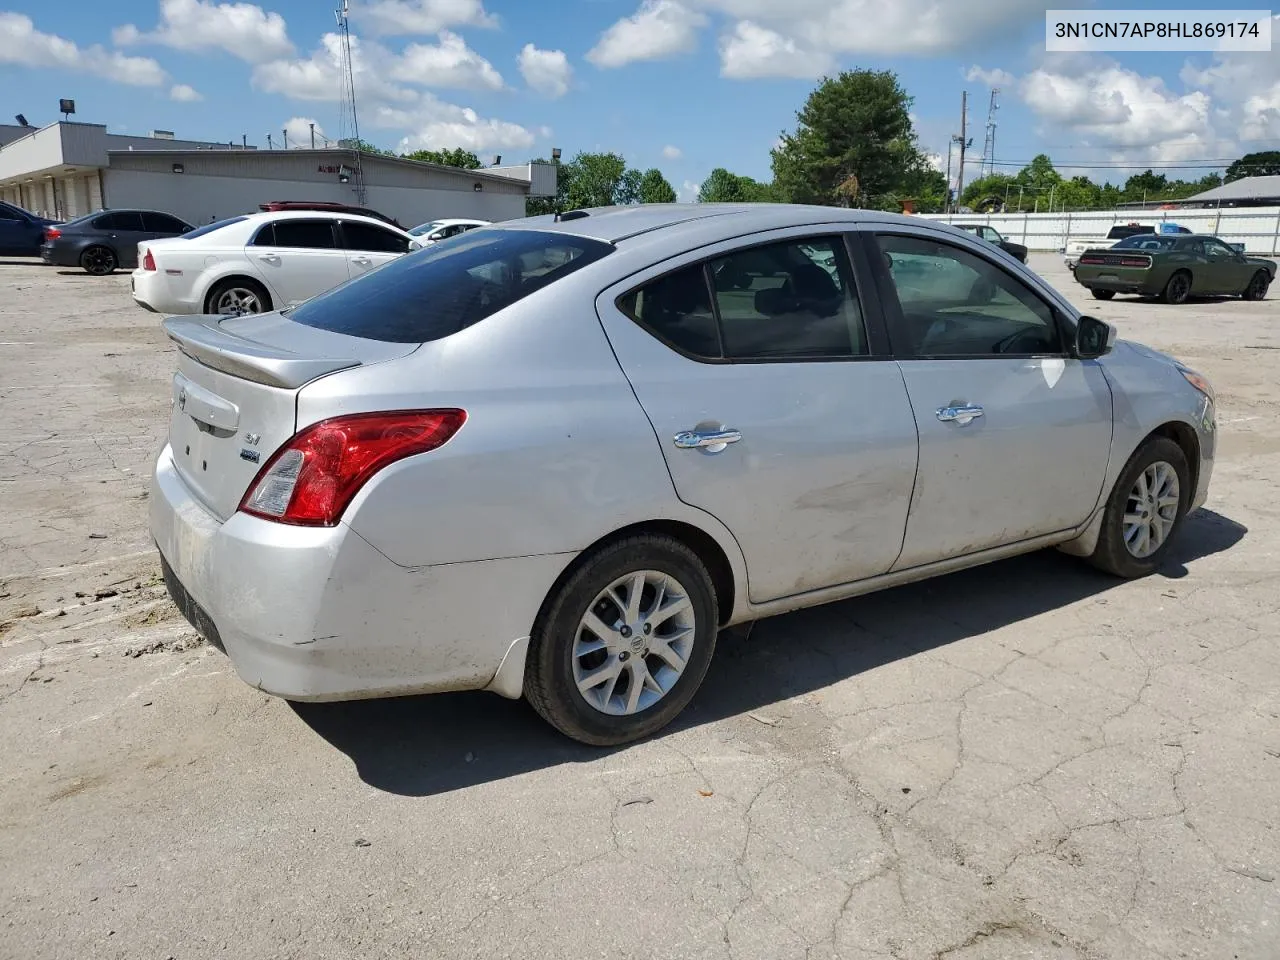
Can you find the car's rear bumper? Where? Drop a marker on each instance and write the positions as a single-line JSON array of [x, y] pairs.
[[152, 291], [319, 614], [1117, 280]]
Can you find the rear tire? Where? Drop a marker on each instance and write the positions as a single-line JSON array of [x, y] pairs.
[[99, 261], [237, 296], [649, 649], [1103, 294], [1257, 288], [1177, 289], [1151, 496]]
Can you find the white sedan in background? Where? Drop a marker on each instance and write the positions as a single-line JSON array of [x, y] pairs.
[[438, 230], [262, 261]]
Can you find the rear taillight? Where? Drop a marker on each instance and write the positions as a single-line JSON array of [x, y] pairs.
[[1143, 262], [148, 261], [1094, 260], [52, 233], [311, 479]]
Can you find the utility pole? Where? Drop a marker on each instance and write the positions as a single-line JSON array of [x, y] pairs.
[[964, 142], [270, 146], [244, 140], [989, 147], [313, 135], [286, 138]]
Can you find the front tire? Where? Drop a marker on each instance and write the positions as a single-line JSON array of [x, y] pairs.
[[1145, 510], [1103, 294], [99, 261], [1257, 288], [1177, 289], [622, 645]]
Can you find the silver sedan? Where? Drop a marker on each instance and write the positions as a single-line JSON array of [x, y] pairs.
[[551, 458]]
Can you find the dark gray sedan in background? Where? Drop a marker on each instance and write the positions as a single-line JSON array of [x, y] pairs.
[[103, 242]]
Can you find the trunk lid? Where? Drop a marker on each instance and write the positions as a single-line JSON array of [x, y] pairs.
[[235, 394]]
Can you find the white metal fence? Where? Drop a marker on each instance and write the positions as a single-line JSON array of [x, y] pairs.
[[1258, 228]]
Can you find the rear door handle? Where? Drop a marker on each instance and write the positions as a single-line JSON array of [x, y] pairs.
[[363, 261], [960, 415], [711, 440], [269, 258]]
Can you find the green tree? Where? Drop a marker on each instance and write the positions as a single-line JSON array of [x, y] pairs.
[[597, 180], [654, 188], [721, 186], [1208, 182], [856, 124], [1078, 193], [1265, 163], [1147, 184], [457, 157], [978, 193], [1039, 176]]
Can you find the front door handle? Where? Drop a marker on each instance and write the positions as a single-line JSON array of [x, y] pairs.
[[363, 261], [713, 441], [961, 415]]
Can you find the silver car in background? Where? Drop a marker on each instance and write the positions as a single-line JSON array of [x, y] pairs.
[[552, 457]]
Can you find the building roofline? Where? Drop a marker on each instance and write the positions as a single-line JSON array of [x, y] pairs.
[[331, 152]]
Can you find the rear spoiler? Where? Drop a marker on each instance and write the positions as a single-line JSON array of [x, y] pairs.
[[204, 341]]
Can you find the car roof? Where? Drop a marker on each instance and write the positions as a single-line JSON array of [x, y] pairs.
[[618, 223], [260, 215]]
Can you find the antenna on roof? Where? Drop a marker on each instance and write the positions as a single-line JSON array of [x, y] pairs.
[[349, 121]]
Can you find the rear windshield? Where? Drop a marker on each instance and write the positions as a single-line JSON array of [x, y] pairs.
[[448, 287], [1146, 242], [210, 227]]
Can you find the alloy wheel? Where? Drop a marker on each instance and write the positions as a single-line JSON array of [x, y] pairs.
[[99, 261], [1258, 286], [633, 643], [1151, 510], [238, 300]]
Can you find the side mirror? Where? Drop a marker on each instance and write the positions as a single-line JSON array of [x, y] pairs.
[[414, 245], [1094, 338]]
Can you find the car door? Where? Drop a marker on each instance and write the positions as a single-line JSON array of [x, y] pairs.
[[369, 246], [299, 258], [1015, 434], [123, 230], [17, 233], [767, 379], [1229, 271]]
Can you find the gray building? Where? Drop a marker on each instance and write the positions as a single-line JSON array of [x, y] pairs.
[[65, 170], [1245, 192]]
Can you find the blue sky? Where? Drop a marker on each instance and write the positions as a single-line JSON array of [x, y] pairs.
[[684, 85]]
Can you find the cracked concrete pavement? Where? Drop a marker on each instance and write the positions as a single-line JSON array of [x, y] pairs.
[[1022, 761]]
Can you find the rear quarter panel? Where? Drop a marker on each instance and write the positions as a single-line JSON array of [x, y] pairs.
[[556, 452]]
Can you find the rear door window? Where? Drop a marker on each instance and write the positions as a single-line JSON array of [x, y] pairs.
[[449, 286], [163, 223], [120, 220], [365, 236]]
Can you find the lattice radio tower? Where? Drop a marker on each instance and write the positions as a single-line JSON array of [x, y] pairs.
[[348, 121], [989, 147]]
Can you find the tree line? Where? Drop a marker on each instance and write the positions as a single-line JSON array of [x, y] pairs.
[[854, 145]]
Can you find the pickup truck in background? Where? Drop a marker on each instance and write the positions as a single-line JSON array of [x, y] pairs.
[[1078, 245]]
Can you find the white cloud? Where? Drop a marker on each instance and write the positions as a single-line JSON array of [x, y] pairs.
[[21, 43], [244, 30], [782, 33], [450, 63], [1247, 87], [545, 71], [670, 152], [385, 103], [659, 29], [688, 192], [991, 78], [299, 131], [1112, 108], [184, 93], [751, 50], [421, 17]]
